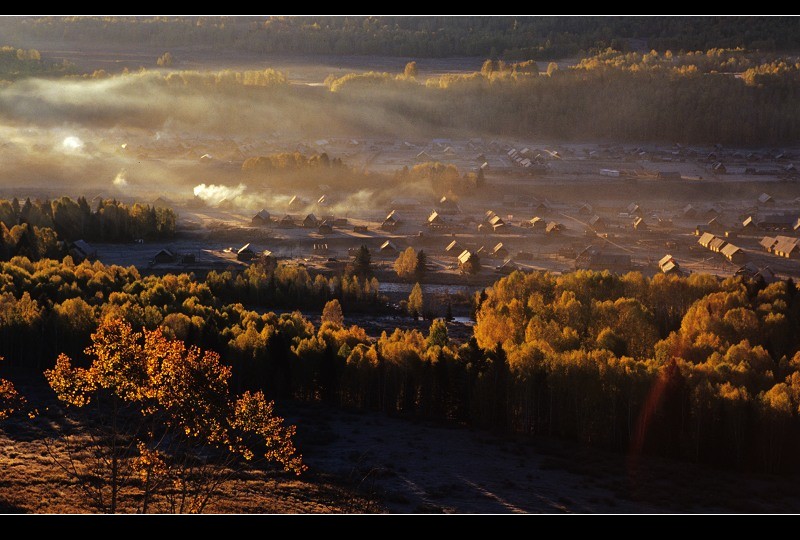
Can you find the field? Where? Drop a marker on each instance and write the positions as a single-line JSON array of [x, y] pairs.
[[367, 463]]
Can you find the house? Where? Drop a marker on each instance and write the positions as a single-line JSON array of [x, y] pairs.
[[260, 219], [767, 275], [391, 222], [286, 222], [388, 248], [435, 220], [454, 247], [325, 228], [786, 246], [500, 251], [671, 267], [507, 267], [639, 224], [424, 157], [733, 253], [765, 198], [689, 211], [448, 206], [668, 265], [717, 244], [245, 253], [748, 270], [497, 224], [360, 229], [80, 250], [469, 262], [544, 207], [705, 240], [718, 168], [310, 222], [777, 222], [554, 228], [712, 212], [322, 201], [535, 223], [597, 223], [320, 249], [585, 210], [188, 258], [714, 226], [165, 256], [489, 215], [295, 204], [634, 209], [609, 172], [749, 223], [768, 242], [495, 221]]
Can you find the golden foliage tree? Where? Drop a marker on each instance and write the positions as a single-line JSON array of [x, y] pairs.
[[416, 302], [169, 430], [332, 313], [10, 400], [406, 263]]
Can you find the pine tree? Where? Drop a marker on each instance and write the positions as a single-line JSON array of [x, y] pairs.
[[363, 262]]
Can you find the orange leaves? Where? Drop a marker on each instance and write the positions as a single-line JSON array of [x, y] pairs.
[[177, 387], [254, 416], [10, 400], [72, 385]]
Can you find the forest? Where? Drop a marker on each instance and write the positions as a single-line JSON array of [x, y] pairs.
[[728, 96], [694, 368], [43, 228], [539, 37], [693, 97]]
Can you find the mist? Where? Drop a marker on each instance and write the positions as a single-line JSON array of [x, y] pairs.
[[183, 135]]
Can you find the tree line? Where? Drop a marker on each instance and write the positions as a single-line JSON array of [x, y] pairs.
[[510, 37], [610, 96], [42, 228], [692, 367]]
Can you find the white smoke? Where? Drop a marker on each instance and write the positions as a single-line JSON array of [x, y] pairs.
[[120, 180], [214, 194], [72, 144]]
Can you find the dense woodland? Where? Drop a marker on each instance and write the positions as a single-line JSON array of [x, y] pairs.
[[510, 37], [43, 228], [693, 368], [611, 96], [723, 96]]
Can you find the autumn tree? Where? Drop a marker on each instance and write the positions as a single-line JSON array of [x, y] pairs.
[[437, 334], [421, 264], [406, 263], [410, 71], [332, 313], [165, 60], [362, 262], [10, 400], [167, 431], [416, 301]]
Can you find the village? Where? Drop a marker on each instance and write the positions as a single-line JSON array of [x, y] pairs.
[[670, 209]]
